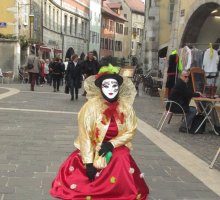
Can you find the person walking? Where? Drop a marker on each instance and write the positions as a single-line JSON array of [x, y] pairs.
[[32, 65], [102, 167], [74, 76], [90, 66], [57, 73], [46, 70]]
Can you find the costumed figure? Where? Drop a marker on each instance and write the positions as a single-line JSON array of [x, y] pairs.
[[102, 168]]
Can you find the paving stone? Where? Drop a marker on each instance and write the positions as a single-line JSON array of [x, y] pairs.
[[37, 144]]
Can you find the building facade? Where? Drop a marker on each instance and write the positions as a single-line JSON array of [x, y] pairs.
[[65, 25], [112, 31], [95, 25]]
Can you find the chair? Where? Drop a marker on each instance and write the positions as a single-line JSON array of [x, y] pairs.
[[167, 113], [215, 158]]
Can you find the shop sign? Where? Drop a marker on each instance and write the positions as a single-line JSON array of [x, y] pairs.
[[3, 24]]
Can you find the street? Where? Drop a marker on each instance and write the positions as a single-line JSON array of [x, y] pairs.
[[37, 130]]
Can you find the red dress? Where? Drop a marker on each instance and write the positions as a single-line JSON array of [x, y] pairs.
[[120, 180]]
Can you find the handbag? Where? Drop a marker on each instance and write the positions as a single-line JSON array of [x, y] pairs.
[[31, 65], [66, 89]]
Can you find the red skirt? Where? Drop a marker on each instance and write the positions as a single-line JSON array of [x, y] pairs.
[[120, 180]]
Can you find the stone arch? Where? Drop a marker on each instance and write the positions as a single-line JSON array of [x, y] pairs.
[[198, 14]]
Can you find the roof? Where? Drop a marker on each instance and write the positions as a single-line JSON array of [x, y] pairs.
[[114, 5], [136, 5], [109, 11]]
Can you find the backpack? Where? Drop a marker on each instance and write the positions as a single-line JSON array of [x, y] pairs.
[[195, 124]]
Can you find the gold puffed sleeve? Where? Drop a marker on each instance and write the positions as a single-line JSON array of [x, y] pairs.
[[128, 130], [86, 126]]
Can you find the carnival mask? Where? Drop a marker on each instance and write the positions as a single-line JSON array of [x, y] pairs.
[[110, 89]]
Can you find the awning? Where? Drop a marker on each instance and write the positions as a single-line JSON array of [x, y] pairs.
[[58, 51], [45, 49]]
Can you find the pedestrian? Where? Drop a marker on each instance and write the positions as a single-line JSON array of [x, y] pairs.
[[46, 70], [182, 95], [32, 65], [90, 66], [74, 76], [102, 167], [57, 74]]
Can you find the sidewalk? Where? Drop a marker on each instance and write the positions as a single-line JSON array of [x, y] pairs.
[[40, 133]]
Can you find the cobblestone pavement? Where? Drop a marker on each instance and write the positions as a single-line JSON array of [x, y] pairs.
[[37, 131]]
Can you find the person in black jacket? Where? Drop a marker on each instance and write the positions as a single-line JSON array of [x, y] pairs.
[[74, 76], [90, 66], [182, 95], [57, 73]]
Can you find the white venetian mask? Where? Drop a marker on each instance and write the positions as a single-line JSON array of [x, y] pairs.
[[110, 88]]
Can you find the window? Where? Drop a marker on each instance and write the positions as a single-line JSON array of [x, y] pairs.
[[111, 25], [53, 19], [118, 46], [50, 17], [117, 27], [106, 43], [76, 25], [58, 20], [121, 29], [65, 23], [71, 25], [102, 43], [125, 16], [126, 30], [171, 9], [85, 29], [45, 13], [82, 29], [132, 45]]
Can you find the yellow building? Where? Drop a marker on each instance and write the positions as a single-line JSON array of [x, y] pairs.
[[192, 22], [8, 22]]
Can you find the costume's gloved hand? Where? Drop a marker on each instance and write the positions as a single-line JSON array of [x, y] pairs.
[[105, 148], [91, 171]]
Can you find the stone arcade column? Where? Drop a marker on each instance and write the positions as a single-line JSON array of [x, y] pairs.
[[151, 36]]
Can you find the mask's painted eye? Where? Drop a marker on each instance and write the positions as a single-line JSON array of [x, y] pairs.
[[105, 86]]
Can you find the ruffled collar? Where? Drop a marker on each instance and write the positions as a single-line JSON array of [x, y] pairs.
[[127, 90]]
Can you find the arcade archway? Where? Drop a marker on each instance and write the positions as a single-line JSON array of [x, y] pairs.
[[200, 25]]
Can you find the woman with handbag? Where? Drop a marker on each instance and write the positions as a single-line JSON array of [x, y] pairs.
[[102, 168]]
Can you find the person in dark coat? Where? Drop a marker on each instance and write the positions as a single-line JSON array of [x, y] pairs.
[[74, 76], [182, 95], [90, 66], [57, 73]]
